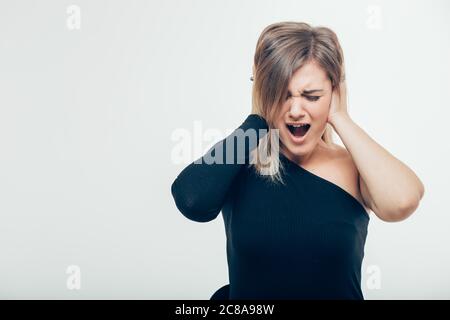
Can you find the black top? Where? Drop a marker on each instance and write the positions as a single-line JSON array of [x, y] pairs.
[[301, 240]]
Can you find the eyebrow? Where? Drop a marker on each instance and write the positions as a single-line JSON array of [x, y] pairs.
[[309, 91]]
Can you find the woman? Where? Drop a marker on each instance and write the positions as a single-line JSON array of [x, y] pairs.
[[296, 225]]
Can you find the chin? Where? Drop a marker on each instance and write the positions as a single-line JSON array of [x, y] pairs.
[[297, 150]]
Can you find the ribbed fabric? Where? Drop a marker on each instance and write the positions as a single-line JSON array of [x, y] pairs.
[[301, 240]]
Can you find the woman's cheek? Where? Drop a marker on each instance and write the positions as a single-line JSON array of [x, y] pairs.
[[324, 107]]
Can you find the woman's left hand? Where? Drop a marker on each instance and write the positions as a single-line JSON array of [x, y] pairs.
[[338, 105]]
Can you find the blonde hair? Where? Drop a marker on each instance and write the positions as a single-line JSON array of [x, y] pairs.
[[282, 48]]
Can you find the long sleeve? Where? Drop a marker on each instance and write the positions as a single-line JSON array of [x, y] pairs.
[[200, 189]]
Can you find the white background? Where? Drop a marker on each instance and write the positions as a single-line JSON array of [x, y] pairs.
[[87, 116]]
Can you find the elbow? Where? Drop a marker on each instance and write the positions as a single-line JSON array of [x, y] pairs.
[[191, 206], [405, 208], [410, 205], [397, 215], [402, 212], [191, 210]]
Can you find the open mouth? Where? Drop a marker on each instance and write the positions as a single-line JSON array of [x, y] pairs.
[[299, 130]]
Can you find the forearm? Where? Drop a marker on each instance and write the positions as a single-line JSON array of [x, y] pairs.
[[393, 187], [200, 189]]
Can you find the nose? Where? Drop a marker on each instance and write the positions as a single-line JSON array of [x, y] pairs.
[[296, 110]]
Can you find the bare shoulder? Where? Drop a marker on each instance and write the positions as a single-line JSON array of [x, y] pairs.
[[346, 175], [341, 159], [337, 155]]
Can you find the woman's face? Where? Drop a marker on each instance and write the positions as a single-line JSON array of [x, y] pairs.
[[307, 102]]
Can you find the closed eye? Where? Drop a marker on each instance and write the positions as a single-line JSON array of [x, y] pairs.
[[312, 98], [309, 98]]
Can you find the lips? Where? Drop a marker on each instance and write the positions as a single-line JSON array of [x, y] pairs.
[[298, 130]]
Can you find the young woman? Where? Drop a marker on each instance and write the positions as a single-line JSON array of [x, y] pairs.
[[296, 225]]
